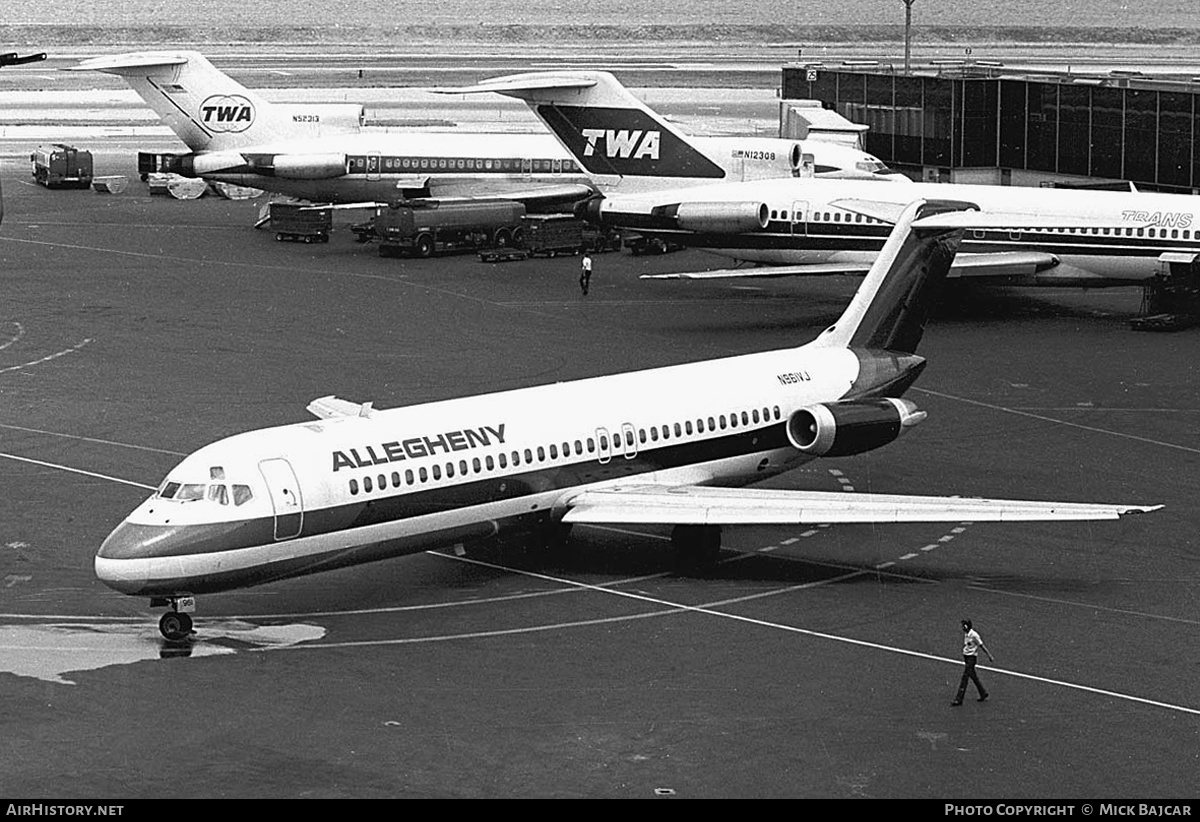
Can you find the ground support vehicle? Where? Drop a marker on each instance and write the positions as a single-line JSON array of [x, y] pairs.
[[62, 166], [1171, 298], [650, 245], [425, 228], [301, 222]]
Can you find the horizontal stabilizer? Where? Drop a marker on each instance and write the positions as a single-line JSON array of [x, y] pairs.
[[331, 407], [522, 82], [701, 505], [120, 63]]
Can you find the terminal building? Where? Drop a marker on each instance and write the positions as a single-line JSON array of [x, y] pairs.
[[977, 122]]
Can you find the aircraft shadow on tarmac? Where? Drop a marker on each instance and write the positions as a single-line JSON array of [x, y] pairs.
[[963, 302]]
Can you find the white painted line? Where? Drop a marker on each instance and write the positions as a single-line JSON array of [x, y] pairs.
[[1044, 418], [946, 538], [77, 471], [908, 556], [1089, 605], [794, 540], [768, 548], [883, 565], [807, 533], [928, 547], [47, 358], [92, 439], [708, 610], [19, 334]]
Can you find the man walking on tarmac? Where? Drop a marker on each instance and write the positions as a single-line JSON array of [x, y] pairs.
[[585, 273], [972, 642]]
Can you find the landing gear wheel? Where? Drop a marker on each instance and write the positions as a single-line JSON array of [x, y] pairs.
[[175, 626]]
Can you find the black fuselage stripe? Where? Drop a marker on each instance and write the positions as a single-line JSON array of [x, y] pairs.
[[435, 497]]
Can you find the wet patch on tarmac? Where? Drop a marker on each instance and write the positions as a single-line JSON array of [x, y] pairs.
[[51, 651]]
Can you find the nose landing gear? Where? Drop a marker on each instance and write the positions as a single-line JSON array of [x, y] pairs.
[[176, 624]]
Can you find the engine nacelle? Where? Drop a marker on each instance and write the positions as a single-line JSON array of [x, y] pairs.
[[209, 162], [838, 429], [310, 166], [722, 218]]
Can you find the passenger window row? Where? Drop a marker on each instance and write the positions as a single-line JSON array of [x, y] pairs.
[[528, 456]]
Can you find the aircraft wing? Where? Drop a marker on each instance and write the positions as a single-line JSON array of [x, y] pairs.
[[1008, 264], [331, 407], [702, 505], [548, 194]]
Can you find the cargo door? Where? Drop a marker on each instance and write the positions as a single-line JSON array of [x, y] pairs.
[[284, 491]]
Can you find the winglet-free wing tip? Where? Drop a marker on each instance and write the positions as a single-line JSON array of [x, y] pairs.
[[1138, 509]]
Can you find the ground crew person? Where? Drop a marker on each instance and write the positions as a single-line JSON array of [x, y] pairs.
[[585, 273], [972, 642]]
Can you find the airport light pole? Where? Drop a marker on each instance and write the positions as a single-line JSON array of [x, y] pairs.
[[907, 32]]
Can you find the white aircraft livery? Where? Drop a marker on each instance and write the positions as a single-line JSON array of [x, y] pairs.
[[672, 446], [622, 143], [321, 152], [799, 226]]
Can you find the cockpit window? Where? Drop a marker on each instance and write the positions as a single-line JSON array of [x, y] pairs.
[[215, 492], [190, 491]]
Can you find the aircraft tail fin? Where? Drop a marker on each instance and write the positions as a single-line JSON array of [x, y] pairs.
[[890, 308], [210, 111], [608, 130]]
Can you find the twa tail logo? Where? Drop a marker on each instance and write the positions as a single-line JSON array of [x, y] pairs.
[[227, 113], [641, 147], [625, 143]]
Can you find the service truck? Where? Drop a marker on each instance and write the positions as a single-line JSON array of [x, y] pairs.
[[424, 228], [62, 166], [548, 235], [300, 222]]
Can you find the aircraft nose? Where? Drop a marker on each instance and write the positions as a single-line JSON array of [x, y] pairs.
[[122, 563]]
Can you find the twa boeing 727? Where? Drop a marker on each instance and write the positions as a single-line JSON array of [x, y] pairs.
[[673, 446], [800, 227], [322, 153]]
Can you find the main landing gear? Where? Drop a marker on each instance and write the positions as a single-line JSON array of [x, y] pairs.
[[176, 624]]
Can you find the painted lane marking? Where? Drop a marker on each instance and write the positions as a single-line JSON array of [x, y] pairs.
[[794, 540], [676, 607], [77, 471], [93, 439], [1088, 605], [47, 358], [909, 556], [20, 333], [1093, 429]]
